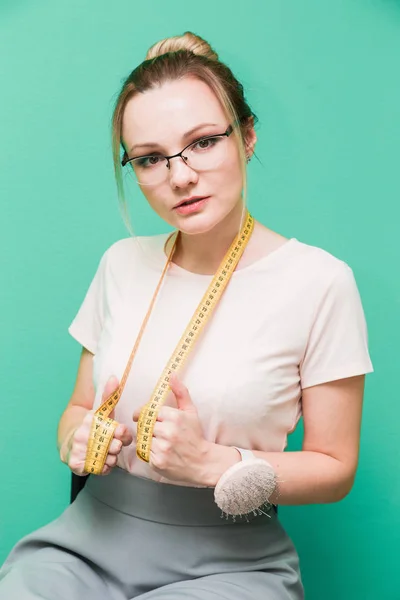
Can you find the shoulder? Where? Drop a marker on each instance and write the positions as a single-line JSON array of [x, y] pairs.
[[321, 276], [318, 264], [126, 252]]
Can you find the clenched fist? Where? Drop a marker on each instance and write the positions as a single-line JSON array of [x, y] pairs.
[[78, 441]]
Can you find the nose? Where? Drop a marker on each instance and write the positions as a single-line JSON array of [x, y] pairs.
[[180, 174]]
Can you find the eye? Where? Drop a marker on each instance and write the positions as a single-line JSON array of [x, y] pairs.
[[146, 162], [205, 143]]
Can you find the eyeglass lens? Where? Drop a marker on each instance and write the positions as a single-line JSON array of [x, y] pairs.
[[202, 155]]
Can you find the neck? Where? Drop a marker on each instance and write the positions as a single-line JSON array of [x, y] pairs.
[[203, 253]]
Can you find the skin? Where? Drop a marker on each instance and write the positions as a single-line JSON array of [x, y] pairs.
[[324, 470]]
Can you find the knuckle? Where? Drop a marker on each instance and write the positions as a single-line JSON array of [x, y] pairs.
[[119, 431], [128, 440], [162, 413], [172, 439], [78, 452], [82, 440], [166, 446], [175, 416], [174, 435], [74, 465], [170, 433], [116, 446], [178, 419], [80, 435], [124, 430], [158, 462], [111, 461], [88, 418]]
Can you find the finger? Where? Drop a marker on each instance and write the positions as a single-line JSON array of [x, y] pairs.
[[88, 418], [115, 447], [137, 411], [76, 466], [165, 413], [158, 431], [106, 470], [159, 447], [164, 431], [111, 460], [124, 434], [168, 413], [110, 387], [181, 393]]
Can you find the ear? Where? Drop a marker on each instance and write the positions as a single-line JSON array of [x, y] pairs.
[[250, 137]]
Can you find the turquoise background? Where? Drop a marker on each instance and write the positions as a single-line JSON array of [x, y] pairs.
[[323, 77]]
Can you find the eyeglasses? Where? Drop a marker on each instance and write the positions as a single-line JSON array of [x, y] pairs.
[[204, 154]]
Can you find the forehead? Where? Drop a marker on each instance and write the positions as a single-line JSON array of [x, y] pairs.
[[165, 113]]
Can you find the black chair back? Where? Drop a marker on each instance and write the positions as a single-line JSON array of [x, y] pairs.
[[77, 484]]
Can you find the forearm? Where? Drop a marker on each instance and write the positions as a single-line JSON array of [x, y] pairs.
[[303, 477], [308, 477], [71, 419]]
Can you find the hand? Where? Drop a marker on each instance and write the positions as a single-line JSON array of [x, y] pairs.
[[178, 447], [78, 440], [179, 450]]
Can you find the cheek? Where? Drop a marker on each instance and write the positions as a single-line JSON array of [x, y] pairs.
[[155, 196], [229, 178], [159, 199], [151, 196]]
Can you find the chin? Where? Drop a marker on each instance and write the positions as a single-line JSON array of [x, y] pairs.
[[202, 222], [199, 223]]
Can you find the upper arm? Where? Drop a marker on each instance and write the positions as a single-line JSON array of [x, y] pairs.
[[332, 420], [84, 393], [332, 372], [88, 323]]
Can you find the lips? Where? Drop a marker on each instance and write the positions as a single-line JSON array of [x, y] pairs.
[[188, 201], [191, 206]]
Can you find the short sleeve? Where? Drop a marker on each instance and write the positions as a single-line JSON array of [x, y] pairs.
[[88, 322], [337, 344]]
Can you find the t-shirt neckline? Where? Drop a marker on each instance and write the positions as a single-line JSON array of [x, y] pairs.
[[261, 262]]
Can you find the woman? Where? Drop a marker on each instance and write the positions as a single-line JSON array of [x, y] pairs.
[[287, 337]]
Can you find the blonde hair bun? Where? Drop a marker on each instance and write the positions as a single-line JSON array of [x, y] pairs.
[[188, 41]]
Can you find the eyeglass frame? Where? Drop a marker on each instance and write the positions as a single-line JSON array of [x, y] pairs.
[[125, 160]]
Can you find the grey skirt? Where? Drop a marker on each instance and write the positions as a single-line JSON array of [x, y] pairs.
[[126, 537]]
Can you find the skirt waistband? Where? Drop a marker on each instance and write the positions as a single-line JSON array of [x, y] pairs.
[[163, 502]]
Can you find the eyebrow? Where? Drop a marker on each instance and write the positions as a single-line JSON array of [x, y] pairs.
[[185, 137]]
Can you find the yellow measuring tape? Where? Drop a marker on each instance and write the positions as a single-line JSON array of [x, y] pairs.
[[103, 426]]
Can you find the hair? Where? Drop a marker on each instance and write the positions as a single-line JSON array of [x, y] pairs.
[[172, 59]]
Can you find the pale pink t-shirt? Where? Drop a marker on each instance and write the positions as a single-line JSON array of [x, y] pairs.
[[291, 320]]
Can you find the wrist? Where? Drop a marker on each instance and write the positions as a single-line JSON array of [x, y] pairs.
[[65, 447], [216, 460]]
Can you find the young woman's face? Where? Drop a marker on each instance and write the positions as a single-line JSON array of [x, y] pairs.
[[164, 120]]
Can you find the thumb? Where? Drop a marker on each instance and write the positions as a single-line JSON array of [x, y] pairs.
[[181, 393], [110, 387]]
